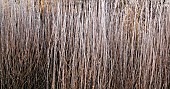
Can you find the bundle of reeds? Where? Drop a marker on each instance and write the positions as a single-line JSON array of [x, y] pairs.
[[84, 44]]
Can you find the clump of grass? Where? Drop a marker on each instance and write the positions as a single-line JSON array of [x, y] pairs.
[[89, 44]]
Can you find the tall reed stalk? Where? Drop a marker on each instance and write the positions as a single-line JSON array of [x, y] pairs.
[[84, 44]]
